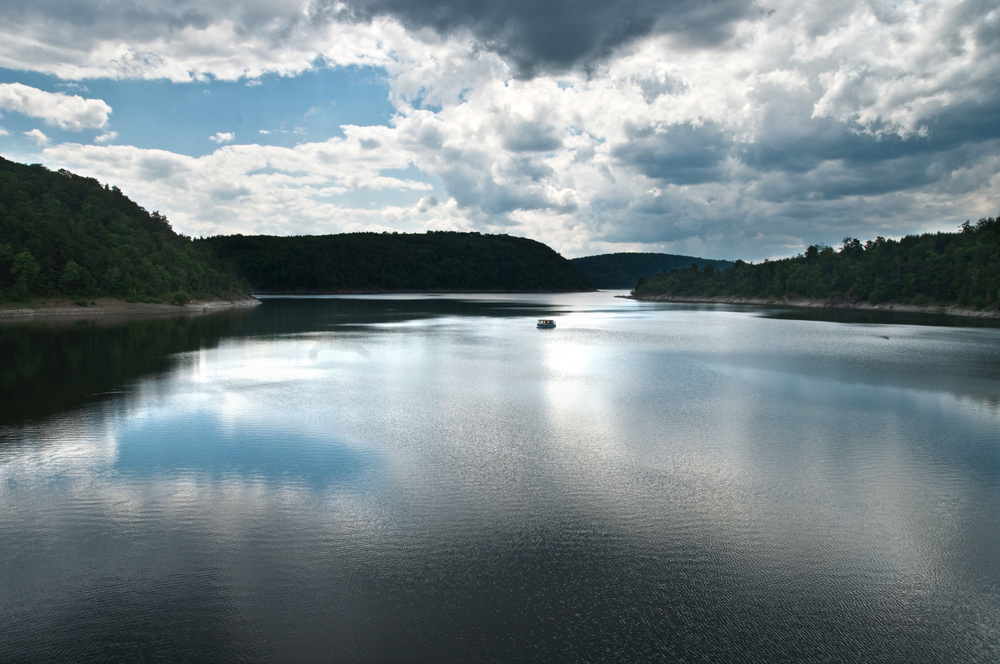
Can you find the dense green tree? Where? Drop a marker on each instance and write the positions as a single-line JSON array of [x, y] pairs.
[[935, 268], [65, 235], [74, 279], [26, 272], [433, 261]]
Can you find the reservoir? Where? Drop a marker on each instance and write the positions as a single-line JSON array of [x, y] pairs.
[[432, 478]]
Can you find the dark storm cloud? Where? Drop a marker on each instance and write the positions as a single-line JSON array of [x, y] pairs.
[[685, 154], [532, 169], [655, 86], [555, 35], [799, 157], [526, 136], [65, 26], [105, 19], [803, 180], [797, 145], [535, 37], [822, 159], [664, 220], [469, 181], [491, 197]]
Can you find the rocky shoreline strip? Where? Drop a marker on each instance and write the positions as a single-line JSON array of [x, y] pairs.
[[951, 310], [106, 307]]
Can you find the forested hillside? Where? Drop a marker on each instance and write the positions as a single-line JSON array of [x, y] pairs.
[[66, 235], [433, 261], [623, 270], [932, 269]]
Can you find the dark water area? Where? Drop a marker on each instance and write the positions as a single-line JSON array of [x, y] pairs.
[[52, 366], [880, 317], [431, 478]]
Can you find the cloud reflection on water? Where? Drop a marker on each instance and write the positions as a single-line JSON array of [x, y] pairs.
[[203, 446], [679, 467]]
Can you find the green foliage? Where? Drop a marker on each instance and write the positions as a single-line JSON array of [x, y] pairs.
[[26, 273], [63, 235], [433, 261], [623, 270], [74, 279], [934, 268]]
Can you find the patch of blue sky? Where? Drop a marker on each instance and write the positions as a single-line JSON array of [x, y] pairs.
[[422, 103], [411, 172], [185, 117], [16, 144]]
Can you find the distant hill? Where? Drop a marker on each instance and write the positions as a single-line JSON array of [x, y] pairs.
[[934, 269], [63, 235], [372, 262], [623, 270]]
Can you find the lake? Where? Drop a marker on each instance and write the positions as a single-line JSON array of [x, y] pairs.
[[430, 478]]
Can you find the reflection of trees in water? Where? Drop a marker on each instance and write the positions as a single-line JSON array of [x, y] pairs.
[[292, 315], [880, 317], [986, 402], [46, 368]]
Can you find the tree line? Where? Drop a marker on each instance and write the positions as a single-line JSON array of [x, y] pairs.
[[372, 262], [63, 235], [939, 269]]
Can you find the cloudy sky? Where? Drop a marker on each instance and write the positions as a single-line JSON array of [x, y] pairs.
[[717, 128]]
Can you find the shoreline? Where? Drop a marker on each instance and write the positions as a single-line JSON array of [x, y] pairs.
[[109, 308], [886, 307], [410, 291]]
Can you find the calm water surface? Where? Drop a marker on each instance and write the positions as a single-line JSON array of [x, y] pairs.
[[411, 478]]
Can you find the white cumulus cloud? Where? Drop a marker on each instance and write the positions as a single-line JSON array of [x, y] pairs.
[[69, 112], [38, 136], [257, 189]]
